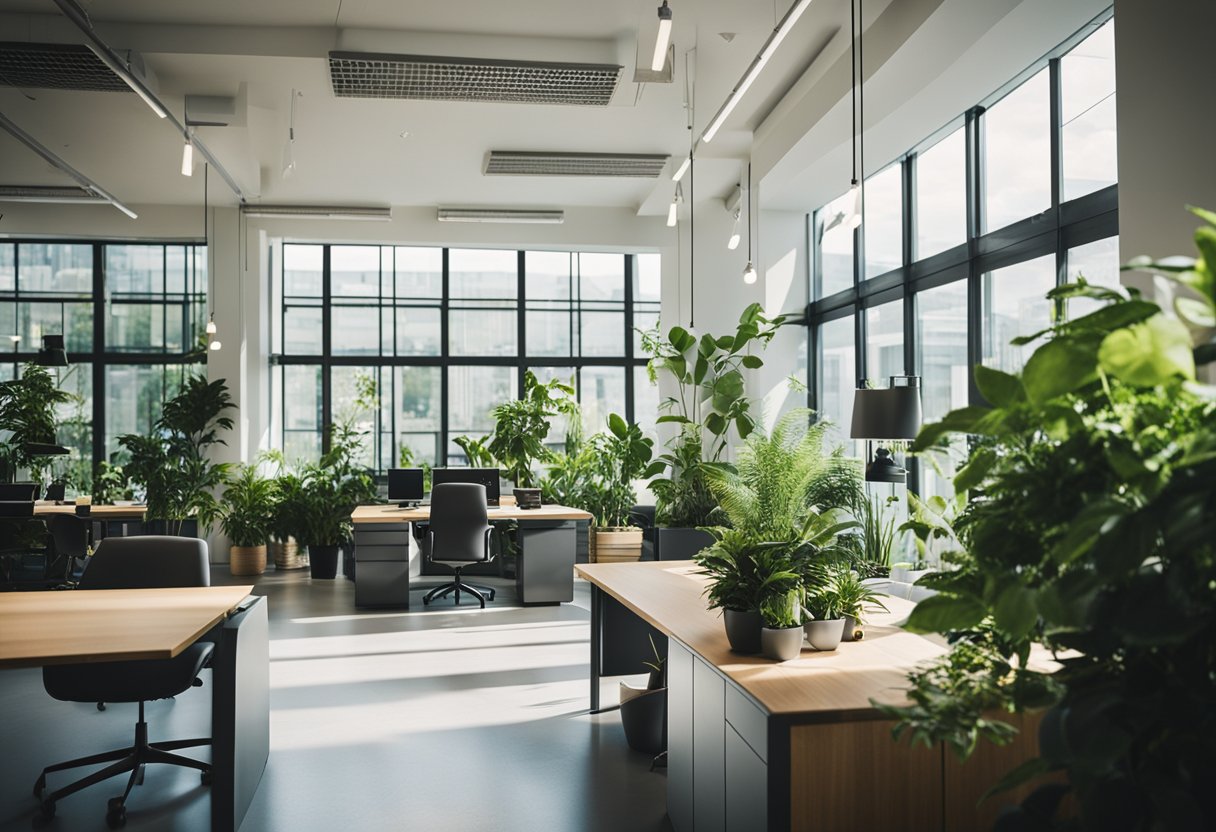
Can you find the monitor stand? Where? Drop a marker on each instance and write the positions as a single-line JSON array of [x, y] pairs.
[[409, 503]]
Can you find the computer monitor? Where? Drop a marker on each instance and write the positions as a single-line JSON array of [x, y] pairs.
[[405, 486], [481, 476]]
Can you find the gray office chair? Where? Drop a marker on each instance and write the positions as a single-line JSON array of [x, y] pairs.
[[71, 535], [459, 536], [132, 563]]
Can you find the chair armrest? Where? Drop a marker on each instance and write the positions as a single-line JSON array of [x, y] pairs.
[[489, 551]]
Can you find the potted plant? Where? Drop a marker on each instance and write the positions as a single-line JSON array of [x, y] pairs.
[[622, 456], [710, 403], [644, 710], [173, 465], [781, 609], [734, 586], [246, 520], [521, 427], [27, 411], [286, 498], [826, 607], [329, 491], [853, 598], [875, 538]]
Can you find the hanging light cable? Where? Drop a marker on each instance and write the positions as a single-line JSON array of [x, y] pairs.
[[749, 271], [213, 343], [855, 196]]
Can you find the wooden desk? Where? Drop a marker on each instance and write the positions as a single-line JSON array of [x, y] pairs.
[[756, 744], [96, 512], [72, 626], [548, 539]]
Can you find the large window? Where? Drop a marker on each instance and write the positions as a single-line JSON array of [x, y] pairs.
[[998, 206], [418, 345], [131, 315]]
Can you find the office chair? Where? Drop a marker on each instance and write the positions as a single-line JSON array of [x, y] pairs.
[[71, 536], [132, 563], [459, 535]]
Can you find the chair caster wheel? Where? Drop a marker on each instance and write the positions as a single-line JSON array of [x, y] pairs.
[[47, 809], [205, 777], [39, 786], [101, 706], [116, 813]]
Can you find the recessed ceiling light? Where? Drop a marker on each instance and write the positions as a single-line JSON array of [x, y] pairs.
[[405, 134]]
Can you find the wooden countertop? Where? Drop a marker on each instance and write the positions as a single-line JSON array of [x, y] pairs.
[[833, 685], [105, 625], [98, 512], [392, 514]]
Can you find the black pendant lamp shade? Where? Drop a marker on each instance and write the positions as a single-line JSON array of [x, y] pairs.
[[52, 353], [887, 414]]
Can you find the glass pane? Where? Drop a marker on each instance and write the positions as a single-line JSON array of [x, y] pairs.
[[354, 272], [75, 430], [549, 333], [1098, 263], [136, 327], [884, 221], [838, 362], [302, 270], [1015, 304], [482, 332], [135, 269], [134, 397], [72, 320], [884, 342], [647, 278], [601, 391], [175, 269], [482, 273], [301, 398], [473, 392], [547, 275], [646, 403], [603, 333], [356, 399], [601, 277], [941, 196], [302, 330], [643, 320], [8, 267], [941, 356], [1087, 103], [418, 272], [56, 267], [356, 330], [836, 247], [418, 393], [1017, 154], [418, 331]]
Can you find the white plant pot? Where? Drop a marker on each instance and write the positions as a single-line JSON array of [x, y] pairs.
[[825, 635]]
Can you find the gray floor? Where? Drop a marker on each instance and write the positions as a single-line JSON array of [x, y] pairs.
[[428, 719]]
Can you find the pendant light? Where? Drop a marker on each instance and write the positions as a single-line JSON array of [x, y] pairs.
[[749, 271], [856, 56]]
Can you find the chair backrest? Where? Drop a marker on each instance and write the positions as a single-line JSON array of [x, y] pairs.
[[71, 534], [16, 508], [459, 522], [146, 562], [19, 491]]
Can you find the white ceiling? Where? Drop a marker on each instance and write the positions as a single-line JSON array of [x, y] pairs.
[[352, 151]]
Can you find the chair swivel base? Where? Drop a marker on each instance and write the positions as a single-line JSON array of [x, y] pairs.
[[457, 586], [133, 759]]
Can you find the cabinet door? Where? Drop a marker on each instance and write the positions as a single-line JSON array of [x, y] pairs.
[[679, 736], [709, 746], [746, 786]]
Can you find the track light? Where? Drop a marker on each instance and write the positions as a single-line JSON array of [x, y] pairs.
[[673, 209], [855, 210], [682, 169], [735, 236], [749, 273], [188, 158], [664, 38]]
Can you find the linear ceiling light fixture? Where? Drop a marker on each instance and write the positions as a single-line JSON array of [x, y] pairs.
[[682, 169], [318, 212], [84, 181], [757, 65], [504, 215], [110, 58], [663, 39]]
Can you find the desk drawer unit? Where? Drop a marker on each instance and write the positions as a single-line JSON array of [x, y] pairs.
[[382, 551]]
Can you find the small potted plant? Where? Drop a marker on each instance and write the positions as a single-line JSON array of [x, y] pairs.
[[781, 636], [623, 457], [644, 710], [826, 627], [733, 586], [246, 520], [853, 598]]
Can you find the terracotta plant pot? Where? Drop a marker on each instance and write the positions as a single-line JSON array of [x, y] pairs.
[[825, 635], [743, 630], [247, 560], [619, 544], [783, 644]]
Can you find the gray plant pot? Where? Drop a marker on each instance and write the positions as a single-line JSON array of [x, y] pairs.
[[824, 635], [743, 630], [680, 544], [782, 645], [852, 629]]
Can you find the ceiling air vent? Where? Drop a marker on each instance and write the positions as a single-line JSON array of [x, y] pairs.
[[47, 193], [58, 66], [374, 75], [530, 163]]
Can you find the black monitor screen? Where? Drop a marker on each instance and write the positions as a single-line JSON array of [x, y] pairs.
[[481, 476], [405, 484]]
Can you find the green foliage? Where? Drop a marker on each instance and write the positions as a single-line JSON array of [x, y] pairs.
[[249, 503], [876, 537], [932, 521], [1092, 531], [329, 490], [711, 401], [522, 425], [850, 596], [620, 457], [406, 458], [476, 450], [782, 609], [111, 483], [27, 408], [173, 464]]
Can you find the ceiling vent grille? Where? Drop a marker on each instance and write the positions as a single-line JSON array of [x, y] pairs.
[[47, 193], [56, 66], [529, 163], [373, 75]]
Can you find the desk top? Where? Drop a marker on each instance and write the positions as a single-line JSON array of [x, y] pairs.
[[97, 512], [836, 684], [106, 625], [392, 514]]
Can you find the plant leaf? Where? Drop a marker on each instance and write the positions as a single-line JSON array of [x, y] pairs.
[[943, 613], [1150, 353], [1000, 389], [1015, 611], [753, 362], [1058, 367], [1024, 773], [681, 339], [973, 473]]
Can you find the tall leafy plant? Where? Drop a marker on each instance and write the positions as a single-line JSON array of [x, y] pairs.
[[1092, 531], [522, 425], [27, 409], [173, 463], [621, 457]]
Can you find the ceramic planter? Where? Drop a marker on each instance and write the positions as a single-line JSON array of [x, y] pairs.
[[743, 630], [247, 560], [825, 635], [644, 718], [783, 644], [680, 544], [618, 544]]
